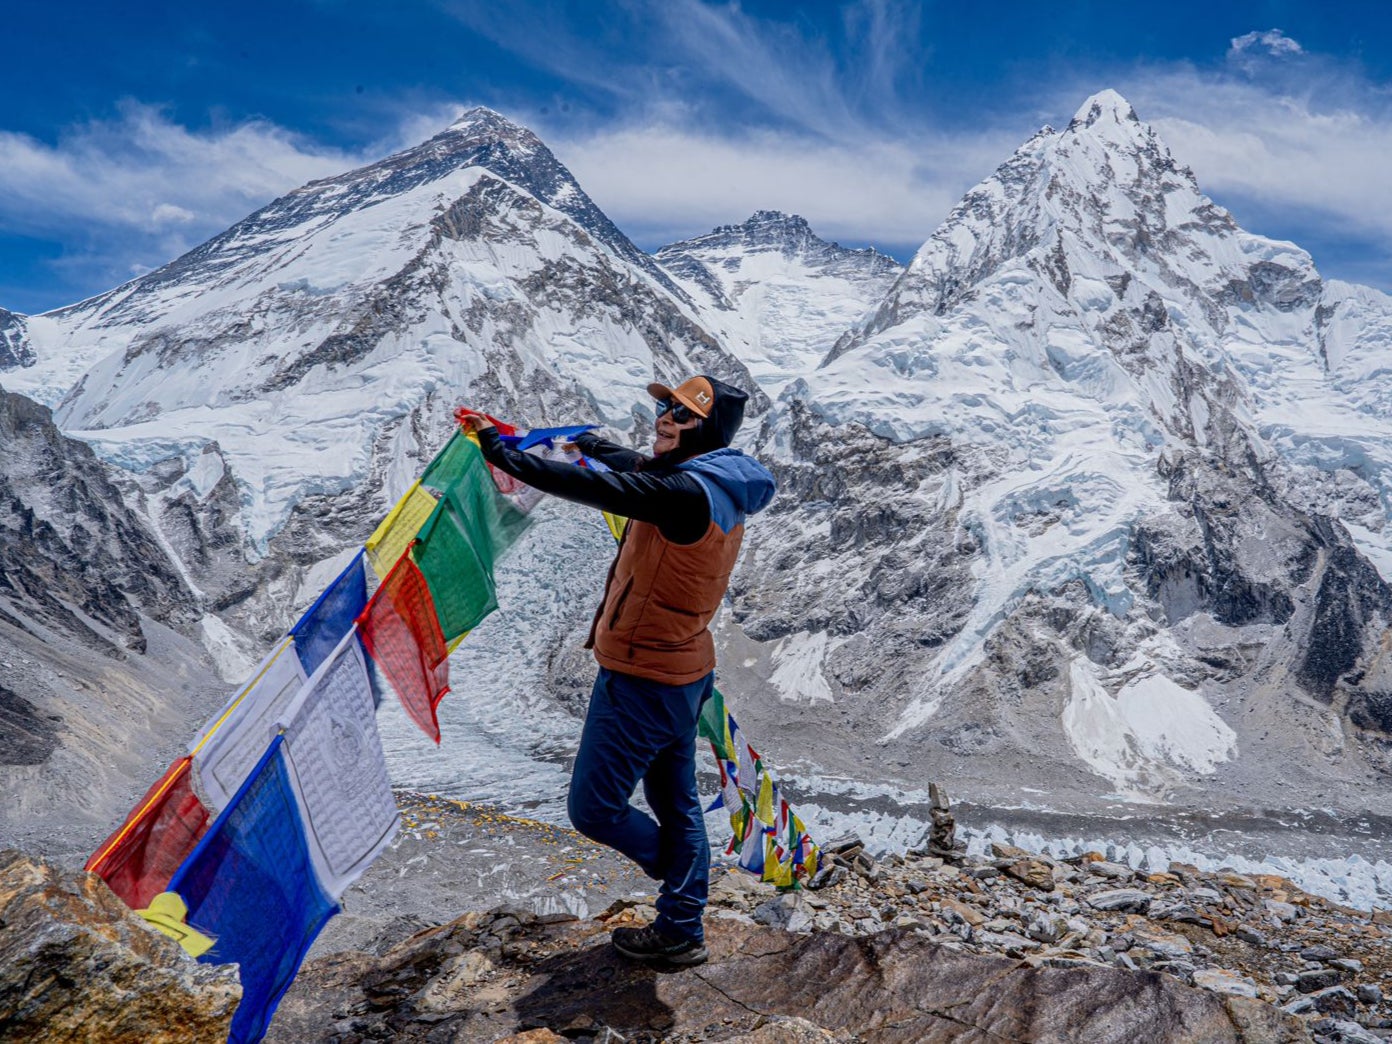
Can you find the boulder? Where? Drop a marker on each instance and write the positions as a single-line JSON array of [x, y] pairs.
[[76, 964], [1033, 872], [1130, 900]]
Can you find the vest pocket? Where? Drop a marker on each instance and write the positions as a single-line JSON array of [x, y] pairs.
[[619, 604]]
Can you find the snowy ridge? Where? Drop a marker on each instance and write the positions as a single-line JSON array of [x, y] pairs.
[[306, 342], [776, 294]]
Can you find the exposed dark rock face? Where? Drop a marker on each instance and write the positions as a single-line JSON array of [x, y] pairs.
[[897, 562], [15, 349], [73, 557], [26, 736]]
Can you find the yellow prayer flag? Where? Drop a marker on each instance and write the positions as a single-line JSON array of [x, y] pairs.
[[391, 539], [616, 523], [166, 914], [765, 807]]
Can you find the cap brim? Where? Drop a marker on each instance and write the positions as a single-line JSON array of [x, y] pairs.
[[661, 391]]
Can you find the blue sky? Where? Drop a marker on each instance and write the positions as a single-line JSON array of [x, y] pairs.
[[129, 133]]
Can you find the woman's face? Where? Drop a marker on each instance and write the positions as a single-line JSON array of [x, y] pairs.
[[669, 431]]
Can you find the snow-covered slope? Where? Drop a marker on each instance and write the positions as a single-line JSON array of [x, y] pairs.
[[776, 294], [1087, 503], [316, 349], [1067, 502]]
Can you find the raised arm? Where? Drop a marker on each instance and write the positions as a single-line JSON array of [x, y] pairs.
[[610, 454], [673, 501]]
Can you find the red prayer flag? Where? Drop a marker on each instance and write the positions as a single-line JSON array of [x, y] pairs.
[[401, 632], [504, 428], [138, 860]]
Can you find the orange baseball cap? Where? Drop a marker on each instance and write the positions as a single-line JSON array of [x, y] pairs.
[[695, 393]]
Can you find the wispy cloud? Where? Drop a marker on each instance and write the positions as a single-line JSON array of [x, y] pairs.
[[130, 193], [690, 114], [729, 112], [663, 182], [1272, 42]]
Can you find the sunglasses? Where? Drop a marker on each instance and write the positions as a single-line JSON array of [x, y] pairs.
[[681, 414]]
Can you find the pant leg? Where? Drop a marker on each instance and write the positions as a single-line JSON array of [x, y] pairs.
[[683, 848], [614, 754], [641, 729]]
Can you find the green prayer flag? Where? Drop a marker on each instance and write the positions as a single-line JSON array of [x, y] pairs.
[[710, 726], [461, 586], [461, 474]]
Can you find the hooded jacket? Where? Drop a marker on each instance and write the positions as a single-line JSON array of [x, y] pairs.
[[686, 510], [660, 596]]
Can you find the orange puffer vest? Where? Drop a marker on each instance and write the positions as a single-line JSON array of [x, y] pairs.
[[660, 596], [658, 602]]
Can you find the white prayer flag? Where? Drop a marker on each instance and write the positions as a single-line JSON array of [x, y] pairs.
[[337, 768], [232, 743]]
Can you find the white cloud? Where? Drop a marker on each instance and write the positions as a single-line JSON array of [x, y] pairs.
[[141, 171], [171, 213], [128, 194], [1272, 41], [663, 181], [1317, 147]]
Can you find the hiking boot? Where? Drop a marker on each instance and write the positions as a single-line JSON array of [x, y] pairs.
[[650, 944]]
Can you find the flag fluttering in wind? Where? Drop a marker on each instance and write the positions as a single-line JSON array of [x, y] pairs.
[[768, 837], [232, 743], [138, 860], [292, 766], [251, 887]]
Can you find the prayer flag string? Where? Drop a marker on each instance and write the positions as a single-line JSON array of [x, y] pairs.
[[292, 766]]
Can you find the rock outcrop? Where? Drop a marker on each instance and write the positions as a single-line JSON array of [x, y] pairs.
[[486, 976], [77, 965], [14, 341]]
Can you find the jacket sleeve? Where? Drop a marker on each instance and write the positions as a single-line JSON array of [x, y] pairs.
[[675, 502], [608, 453]]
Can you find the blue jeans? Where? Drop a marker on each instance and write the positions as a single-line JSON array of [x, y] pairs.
[[638, 729]]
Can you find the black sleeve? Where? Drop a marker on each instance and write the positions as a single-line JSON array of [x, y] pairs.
[[608, 453], [674, 501]]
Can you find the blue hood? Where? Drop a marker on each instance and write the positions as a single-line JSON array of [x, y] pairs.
[[736, 485]]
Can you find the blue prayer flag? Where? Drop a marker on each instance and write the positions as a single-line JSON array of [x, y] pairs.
[[250, 885], [537, 436], [324, 624]]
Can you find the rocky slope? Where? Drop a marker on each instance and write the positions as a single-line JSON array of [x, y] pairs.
[[101, 672], [914, 947], [1093, 501], [777, 295]]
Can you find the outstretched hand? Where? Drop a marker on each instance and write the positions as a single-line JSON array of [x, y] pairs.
[[471, 421]]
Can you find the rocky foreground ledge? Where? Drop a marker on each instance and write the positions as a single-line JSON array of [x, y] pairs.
[[1015, 947], [1010, 947]]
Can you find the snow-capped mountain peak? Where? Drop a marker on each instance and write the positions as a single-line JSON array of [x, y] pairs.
[[317, 343], [777, 293], [1089, 385], [1109, 109]]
